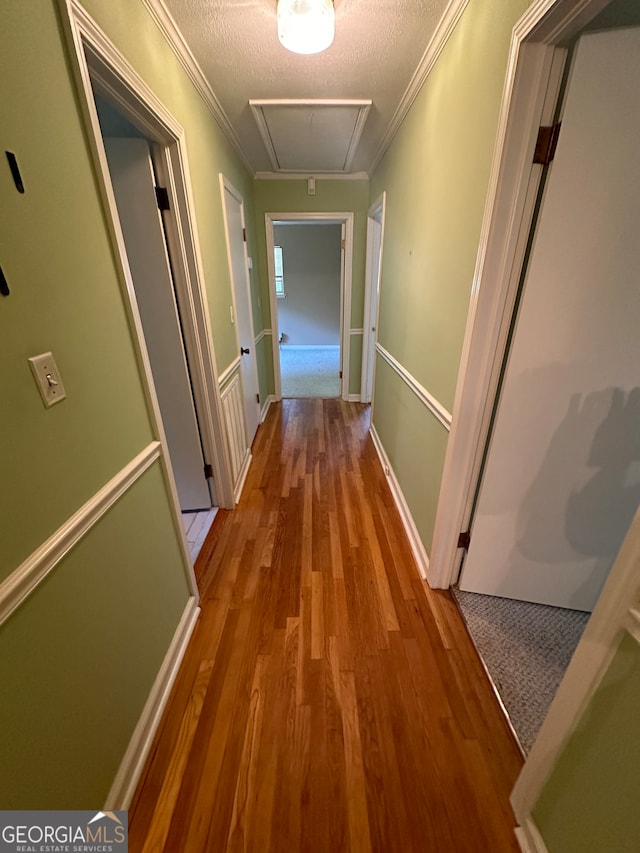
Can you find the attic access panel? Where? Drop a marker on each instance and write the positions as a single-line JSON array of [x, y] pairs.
[[311, 136]]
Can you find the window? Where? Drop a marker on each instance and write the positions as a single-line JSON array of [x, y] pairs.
[[277, 259]]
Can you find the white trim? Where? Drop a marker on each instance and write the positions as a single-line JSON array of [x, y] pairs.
[[304, 176], [376, 219], [30, 574], [357, 331], [265, 409], [345, 219], [260, 336], [592, 657], [98, 62], [533, 76], [427, 399], [228, 372], [132, 764], [529, 838], [633, 624], [227, 186], [242, 476], [174, 38], [310, 346], [353, 398], [438, 40], [257, 108], [417, 547]]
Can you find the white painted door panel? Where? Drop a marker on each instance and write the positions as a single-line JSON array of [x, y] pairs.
[[374, 259], [234, 215], [562, 477], [134, 188]]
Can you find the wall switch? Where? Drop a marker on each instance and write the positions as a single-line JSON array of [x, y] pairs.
[[45, 372], [231, 314]]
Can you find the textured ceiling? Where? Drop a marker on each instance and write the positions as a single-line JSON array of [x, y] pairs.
[[377, 48]]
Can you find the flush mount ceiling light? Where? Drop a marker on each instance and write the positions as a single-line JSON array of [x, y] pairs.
[[306, 26]]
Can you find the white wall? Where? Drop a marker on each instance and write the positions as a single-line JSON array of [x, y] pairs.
[[310, 313]]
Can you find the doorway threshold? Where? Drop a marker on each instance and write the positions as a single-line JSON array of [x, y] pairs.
[[196, 526]]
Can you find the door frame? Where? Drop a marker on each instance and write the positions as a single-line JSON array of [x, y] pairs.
[[533, 80], [325, 218], [372, 312], [96, 62], [225, 184], [534, 71]]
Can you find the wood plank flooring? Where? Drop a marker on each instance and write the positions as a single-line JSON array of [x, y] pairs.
[[329, 700]]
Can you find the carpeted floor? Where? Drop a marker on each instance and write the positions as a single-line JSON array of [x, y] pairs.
[[526, 648], [310, 372]]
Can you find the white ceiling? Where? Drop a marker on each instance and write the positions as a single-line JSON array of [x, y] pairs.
[[382, 51]]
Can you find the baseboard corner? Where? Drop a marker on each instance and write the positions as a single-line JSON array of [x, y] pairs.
[[265, 409], [529, 838]]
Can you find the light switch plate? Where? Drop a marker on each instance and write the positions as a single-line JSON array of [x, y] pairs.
[[45, 372]]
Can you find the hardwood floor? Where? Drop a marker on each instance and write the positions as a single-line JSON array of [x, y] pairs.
[[329, 700]]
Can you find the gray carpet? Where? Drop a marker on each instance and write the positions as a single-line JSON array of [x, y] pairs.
[[526, 648], [310, 372]]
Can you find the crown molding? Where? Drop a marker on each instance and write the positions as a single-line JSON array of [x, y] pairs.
[[450, 18], [169, 29]]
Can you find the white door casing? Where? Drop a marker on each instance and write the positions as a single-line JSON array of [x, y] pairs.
[[233, 207], [346, 276], [343, 381], [133, 184], [562, 478], [373, 273]]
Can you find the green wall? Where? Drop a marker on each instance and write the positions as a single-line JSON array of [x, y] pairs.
[[79, 656], [590, 802], [436, 175], [332, 196], [130, 27], [77, 659]]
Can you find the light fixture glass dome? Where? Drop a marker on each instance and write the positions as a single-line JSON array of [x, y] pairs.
[[306, 26]]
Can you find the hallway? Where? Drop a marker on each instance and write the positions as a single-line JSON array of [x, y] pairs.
[[329, 701]]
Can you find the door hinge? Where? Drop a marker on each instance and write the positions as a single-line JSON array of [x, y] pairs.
[[344, 244], [257, 398], [546, 144], [340, 374], [208, 471], [464, 540], [244, 234], [162, 197]]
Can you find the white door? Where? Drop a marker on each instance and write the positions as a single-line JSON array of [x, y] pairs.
[[133, 183], [372, 296], [562, 476], [243, 313]]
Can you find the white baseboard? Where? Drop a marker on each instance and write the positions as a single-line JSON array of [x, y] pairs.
[[132, 765], [419, 552], [265, 409], [529, 838], [242, 476], [308, 346], [354, 398]]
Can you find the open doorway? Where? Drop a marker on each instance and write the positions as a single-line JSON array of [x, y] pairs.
[[143, 120], [373, 273], [308, 272], [309, 259], [140, 204], [546, 524]]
